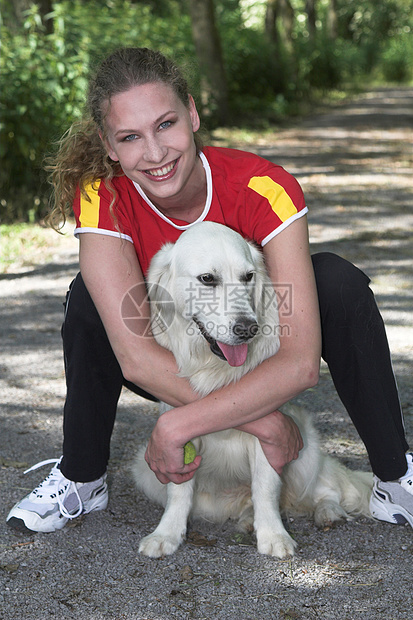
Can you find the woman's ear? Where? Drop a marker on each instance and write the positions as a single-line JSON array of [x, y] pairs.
[[193, 114], [108, 147]]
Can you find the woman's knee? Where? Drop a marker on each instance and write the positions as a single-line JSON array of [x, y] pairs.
[[80, 311], [343, 289]]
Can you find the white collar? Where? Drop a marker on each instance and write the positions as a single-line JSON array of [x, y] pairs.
[[208, 201]]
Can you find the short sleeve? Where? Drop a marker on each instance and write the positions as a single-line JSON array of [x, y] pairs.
[[92, 210], [273, 200]]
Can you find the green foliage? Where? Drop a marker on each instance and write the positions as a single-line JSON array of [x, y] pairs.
[[397, 59], [256, 72], [43, 87], [320, 66], [45, 81]]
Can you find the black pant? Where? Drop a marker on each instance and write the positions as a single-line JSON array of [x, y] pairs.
[[354, 345]]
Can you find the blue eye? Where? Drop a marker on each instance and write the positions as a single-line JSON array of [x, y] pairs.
[[165, 124], [129, 138]]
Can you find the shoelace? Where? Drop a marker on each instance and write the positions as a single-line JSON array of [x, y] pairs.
[[62, 490]]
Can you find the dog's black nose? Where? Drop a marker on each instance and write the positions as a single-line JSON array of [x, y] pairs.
[[245, 328]]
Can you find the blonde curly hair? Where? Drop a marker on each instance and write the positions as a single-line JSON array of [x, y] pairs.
[[81, 157]]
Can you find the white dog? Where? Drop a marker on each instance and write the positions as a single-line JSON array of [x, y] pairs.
[[222, 323]]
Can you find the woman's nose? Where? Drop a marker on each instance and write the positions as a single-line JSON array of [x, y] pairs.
[[155, 151]]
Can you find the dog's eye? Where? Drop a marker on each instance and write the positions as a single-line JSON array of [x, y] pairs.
[[207, 278], [248, 276]]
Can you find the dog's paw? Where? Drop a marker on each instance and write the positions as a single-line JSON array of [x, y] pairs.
[[246, 526], [245, 522], [279, 545], [156, 546], [328, 514]]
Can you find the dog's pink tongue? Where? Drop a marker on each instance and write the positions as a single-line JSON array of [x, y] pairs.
[[234, 354]]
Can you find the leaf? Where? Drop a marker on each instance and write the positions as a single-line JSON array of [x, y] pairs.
[[198, 540], [186, 573], [9, 568], [10, 463]]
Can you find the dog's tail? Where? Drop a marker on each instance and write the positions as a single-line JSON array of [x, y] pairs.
[[337, 494], [319, 485]]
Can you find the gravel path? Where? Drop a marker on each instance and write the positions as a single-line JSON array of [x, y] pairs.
[[354, 163]]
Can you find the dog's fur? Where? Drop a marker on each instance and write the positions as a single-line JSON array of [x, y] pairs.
[[234, 479]]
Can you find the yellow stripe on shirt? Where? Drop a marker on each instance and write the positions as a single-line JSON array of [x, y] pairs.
[[89, 209], [276, 195]]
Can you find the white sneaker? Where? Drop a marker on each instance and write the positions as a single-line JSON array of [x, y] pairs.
[[56, 500], [393, 501]]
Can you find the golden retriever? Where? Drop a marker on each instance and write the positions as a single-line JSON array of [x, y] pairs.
[[215, 308]]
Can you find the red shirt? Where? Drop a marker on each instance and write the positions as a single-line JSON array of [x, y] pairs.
[[247, 193]]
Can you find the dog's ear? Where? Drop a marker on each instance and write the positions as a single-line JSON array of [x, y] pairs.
[[265, 298], [261, 275], [159, 284], [160, 267]]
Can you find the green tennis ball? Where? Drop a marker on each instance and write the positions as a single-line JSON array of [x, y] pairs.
[[189, 452]]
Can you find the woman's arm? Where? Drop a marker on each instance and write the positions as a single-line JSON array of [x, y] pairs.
[[110, 269]]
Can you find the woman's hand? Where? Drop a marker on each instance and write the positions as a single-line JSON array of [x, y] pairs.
[[277, 433], [279, 437], [165, 456]]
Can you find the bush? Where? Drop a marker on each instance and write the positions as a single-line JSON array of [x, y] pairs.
[[45, 85], [325, 67], [397, 59], [256, 76]]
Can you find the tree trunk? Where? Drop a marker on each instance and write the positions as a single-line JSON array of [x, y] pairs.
[[214, 87], [45, 8], [19, 6], [271, 14], [311, 18], [279, 24], [332, 20], [286, 13]]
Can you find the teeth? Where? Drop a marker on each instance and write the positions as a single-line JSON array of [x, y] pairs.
[[159, 172]]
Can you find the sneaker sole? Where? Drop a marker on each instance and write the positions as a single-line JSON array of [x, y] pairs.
[[391, 513], [26, 523], [19, 525], [23, 522]]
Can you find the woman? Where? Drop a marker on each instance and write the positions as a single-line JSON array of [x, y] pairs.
[[137, 177]]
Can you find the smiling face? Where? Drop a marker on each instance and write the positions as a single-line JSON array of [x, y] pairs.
[[149, 131]]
